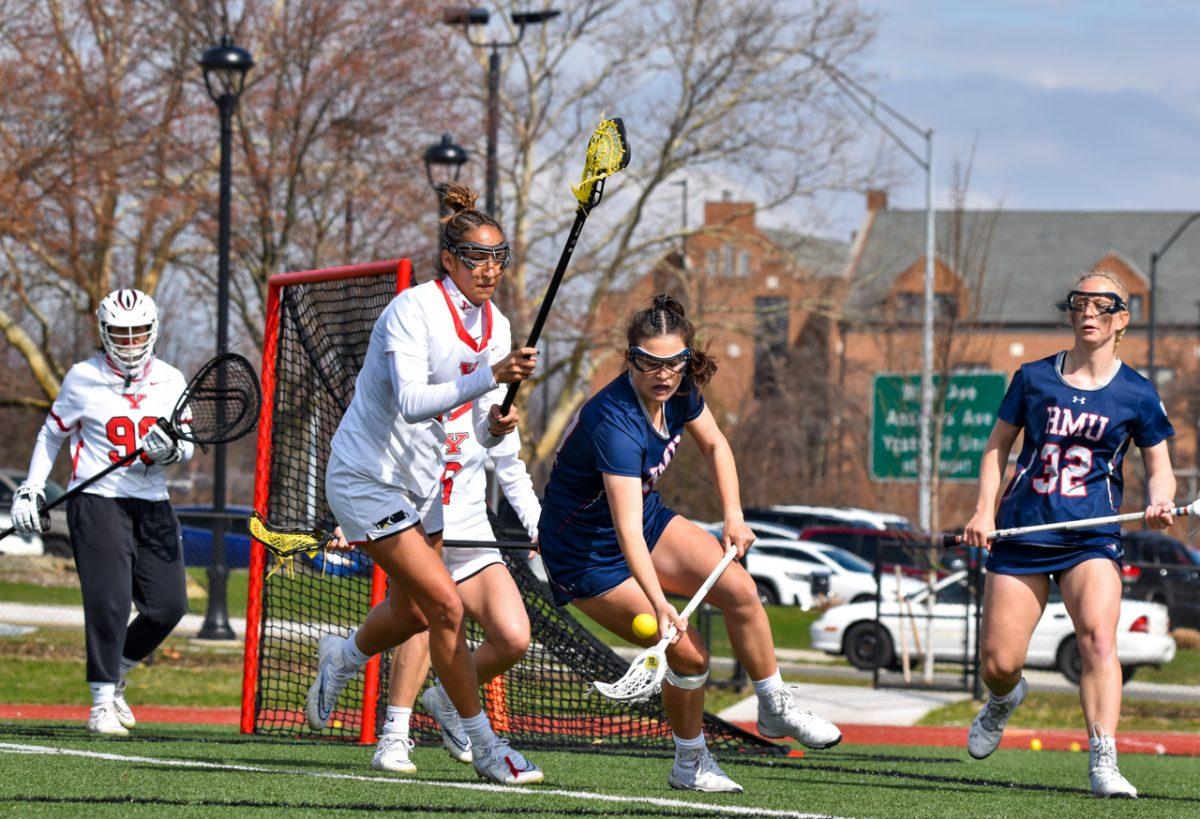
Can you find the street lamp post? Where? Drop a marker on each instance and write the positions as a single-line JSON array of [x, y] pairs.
[[467, 17], [225, 66], [1152, 311], [871, 105]]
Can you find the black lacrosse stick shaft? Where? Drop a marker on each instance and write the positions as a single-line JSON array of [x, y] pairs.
[[539, 322], [66, 496]]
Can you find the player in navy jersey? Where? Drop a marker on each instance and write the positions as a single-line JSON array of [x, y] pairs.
[[1079, 411], [611, 546]]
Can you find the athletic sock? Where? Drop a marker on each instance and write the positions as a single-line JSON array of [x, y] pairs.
[[479, 729], [694, 744], [103, 693], [350, 658], [397, 720], [127, 665], [1007, 697], [769, 685]]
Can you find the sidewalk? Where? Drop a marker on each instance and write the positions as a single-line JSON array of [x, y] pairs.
[[27, 614], [854, 704]]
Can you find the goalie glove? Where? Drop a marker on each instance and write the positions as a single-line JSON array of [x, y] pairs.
[[29, 513], [160, 446]]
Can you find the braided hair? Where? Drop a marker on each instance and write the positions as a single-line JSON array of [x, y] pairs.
[[665, 317], [461, 217]]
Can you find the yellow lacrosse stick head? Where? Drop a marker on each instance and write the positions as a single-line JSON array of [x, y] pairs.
[[607, 153], [285, 545]]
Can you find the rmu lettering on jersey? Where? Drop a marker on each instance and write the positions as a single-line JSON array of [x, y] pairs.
[[1063, 421], [656, 471]]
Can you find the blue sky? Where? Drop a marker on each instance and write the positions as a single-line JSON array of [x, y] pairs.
[[1070, 105]]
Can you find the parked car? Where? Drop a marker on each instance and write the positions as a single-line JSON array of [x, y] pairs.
[[16, 544], [850, 578], [1143, 636], [783, 571], [54, 541], [763, 529], [897, 547], [799, 516], [1160, 569], [196, 524]]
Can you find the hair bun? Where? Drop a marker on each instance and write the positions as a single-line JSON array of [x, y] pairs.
[[664, 302], [456, 198]]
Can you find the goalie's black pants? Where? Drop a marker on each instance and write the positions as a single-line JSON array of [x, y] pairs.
[[127, 550]]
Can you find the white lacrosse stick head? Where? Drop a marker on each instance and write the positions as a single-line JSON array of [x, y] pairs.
[[643, 679], [1193, 508]]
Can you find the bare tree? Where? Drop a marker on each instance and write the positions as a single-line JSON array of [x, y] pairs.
[[716, 90]]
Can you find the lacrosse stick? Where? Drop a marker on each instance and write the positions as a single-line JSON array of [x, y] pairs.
[[607, 153], [285, 543], [645, 675], [220, 404], [1192, 508]]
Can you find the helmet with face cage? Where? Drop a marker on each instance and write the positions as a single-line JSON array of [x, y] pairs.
[[128, 322]]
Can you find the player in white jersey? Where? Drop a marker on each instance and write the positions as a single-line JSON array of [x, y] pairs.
[[385, 465], [489, 594], [124, 535]]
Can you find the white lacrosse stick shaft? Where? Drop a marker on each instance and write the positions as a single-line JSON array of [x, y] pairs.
[[1192, 508], [619, 691]]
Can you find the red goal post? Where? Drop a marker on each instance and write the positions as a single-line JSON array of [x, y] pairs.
[[362, 287]]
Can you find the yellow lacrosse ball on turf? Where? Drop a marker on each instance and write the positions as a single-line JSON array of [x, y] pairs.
[[1035, 744], [644, 625]]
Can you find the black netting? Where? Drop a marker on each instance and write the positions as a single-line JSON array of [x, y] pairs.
[[542, 701]]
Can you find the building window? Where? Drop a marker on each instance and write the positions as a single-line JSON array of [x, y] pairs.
[[710, 263], [1136, 306], [726, 261], [911, 306], [743, 263], [770, 344]]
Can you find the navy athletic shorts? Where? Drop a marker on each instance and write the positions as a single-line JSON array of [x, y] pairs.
[[582, 564], [1014, 557]]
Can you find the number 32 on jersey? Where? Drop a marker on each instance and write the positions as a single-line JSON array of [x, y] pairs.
[[1064, 472]]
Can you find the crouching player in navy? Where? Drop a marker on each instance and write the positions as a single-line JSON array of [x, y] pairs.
[[1079, 410], [613, 549], [124, 535]]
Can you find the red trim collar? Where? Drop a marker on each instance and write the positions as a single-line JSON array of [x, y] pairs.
[[477, 346]]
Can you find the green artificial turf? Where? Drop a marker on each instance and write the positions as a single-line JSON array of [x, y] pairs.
[[326, 778]]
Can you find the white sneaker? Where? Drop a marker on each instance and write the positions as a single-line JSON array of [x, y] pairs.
[[779, 717], [103, 720], [988, 728], [696, 770], [454, 736], [124, 715], [391, 754], [1107, 782], [327, 687], [505, 766]]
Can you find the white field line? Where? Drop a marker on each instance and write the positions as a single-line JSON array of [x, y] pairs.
[[534, 791]]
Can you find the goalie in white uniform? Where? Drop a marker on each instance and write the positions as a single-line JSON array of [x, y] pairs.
[[383, 481], [124, 534], [489, 594]]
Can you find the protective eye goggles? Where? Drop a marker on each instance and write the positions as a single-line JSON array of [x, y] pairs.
[[644, 362], [1078, 301], [473, 255]]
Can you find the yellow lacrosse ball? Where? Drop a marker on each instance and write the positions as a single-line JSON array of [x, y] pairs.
[[644, 625], [1035, 744]]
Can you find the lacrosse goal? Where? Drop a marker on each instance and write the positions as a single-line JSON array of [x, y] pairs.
[[317, 328]]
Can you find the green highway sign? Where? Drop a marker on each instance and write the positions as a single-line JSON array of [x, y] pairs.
[[970, 413]]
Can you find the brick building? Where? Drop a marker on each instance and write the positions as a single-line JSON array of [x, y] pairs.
[[800, 326]]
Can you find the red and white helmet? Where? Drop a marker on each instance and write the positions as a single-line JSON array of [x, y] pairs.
[[128, 328]]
